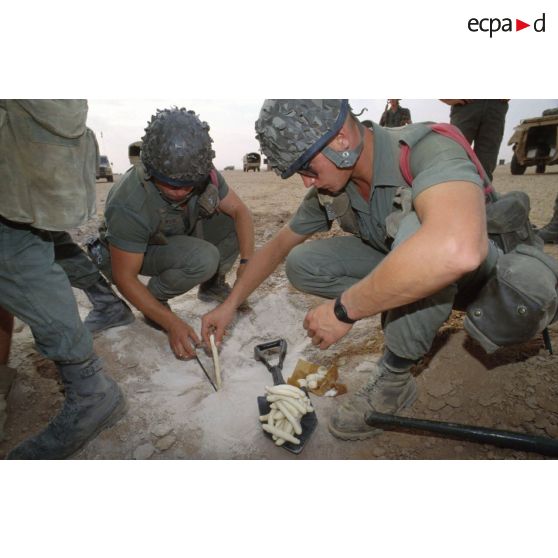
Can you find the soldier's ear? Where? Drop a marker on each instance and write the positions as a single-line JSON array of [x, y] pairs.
[[341, 140]]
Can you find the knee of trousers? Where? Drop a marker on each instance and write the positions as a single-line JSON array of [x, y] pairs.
[[299, 267], [195, 267]]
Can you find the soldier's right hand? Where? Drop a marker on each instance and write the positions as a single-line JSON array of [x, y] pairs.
[[216, 322], [182, 339]]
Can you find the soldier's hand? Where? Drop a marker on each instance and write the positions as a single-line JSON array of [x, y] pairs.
[[216, 322], [182, 339], [323, 327]]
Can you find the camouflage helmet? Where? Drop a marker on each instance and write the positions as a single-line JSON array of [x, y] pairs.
[[292, 131], [176, 148]]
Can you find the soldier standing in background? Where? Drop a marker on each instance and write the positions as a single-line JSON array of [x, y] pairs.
[[482, 122], [47, 185], [395, 115]]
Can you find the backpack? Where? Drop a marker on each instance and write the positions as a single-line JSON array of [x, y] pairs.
[[521, 297]]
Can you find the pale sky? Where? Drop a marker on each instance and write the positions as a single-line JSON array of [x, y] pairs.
[[117, 123]]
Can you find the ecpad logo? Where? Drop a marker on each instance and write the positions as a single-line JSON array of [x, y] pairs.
[[494, 24]]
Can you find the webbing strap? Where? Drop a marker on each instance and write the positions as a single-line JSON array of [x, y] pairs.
[[213, 176], [452, 132]]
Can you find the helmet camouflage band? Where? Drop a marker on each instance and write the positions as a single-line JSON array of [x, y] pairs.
[[176, 148], [292, 131]]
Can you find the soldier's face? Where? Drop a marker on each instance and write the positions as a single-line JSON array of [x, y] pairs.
[[321, 173], [175, 195]]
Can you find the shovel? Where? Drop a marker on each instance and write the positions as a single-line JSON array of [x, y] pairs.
[[309, 420]]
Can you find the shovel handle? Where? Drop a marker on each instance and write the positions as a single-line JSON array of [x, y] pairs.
[[259, 351]]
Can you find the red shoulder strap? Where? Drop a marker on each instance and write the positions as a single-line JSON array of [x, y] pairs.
[[454, 133], [213, 177]]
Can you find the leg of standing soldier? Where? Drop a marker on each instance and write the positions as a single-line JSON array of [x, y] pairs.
[[467, 118], [36, 290], [108, 309], [549, 233], [490, 134]]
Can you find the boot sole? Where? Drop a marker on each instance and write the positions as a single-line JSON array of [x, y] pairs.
[[366, 434]]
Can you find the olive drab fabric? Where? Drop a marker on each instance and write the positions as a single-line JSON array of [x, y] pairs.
[[48, 160]]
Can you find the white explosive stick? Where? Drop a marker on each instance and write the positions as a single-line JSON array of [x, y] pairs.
[[216, 364]]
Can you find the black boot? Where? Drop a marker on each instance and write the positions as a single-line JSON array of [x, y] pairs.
[[7, 376], [549, 233], [215, 289], [93, 402], [108, 310]]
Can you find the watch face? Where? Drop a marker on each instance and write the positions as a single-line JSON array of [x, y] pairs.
[[341, 312]]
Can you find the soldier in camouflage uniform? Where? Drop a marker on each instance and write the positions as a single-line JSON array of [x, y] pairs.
[[406, 259], [395, 115], [174, 219], [482, 122], [47, 185]]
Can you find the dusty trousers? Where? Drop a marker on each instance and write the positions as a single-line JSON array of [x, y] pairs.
[[34, 288]]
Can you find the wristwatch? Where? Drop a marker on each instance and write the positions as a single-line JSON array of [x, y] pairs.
[[341, 312]]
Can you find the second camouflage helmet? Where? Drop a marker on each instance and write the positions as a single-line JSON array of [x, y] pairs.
[[292, 131], [176, 148]]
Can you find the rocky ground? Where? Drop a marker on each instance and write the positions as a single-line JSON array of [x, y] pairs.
[[174, 413]]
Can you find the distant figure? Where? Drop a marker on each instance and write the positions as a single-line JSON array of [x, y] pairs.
[[482, 123], [395, 115]]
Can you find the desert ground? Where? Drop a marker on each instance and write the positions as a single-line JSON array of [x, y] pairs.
[[175, 414]]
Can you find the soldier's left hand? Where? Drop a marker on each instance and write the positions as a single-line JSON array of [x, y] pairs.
[[323, 327]]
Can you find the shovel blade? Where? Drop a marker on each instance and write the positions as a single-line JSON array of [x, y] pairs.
[[308, 424]]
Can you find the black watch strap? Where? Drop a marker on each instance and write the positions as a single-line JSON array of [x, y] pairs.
[[341, 312]]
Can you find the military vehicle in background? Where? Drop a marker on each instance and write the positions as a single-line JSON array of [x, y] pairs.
[[104, 169], [134, 150], [535, 143], [251, 161]]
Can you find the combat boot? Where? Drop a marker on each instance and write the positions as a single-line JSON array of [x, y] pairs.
[[390, 388], [215, 289], [7, 376], [108, 309], [93, 402], [549, 233]]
